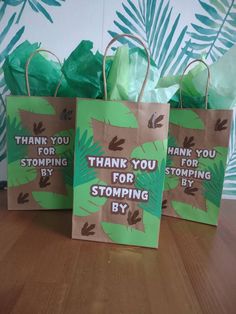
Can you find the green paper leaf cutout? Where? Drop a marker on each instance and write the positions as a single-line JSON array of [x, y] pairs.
[[187, 211], [15, 152], [87, 204], [186, 118], [171, 143], [151, 151], [68, 172], [34, 104], [61, 149], [18, 175], [221, 156], [84, 146], [159, 28], [153, 182], [54, 200], [119, 114], [213, 188], [127, 235], [171, 182]]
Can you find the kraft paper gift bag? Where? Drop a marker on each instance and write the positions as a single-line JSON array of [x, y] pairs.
[[40, 147], [197, 154], [120, 159]]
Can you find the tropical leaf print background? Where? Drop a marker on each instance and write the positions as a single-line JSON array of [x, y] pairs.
[[174, 31]]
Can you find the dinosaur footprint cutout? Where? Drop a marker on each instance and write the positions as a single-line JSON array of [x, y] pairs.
[[66, 114], [23, 198], [190, 191], [221, 125], [154, 121], [164, 204], [133, 217], [38, 128], [87, 229], [188, 142], [115, 144], [44, 182]]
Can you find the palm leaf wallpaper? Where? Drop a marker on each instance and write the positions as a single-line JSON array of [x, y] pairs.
[[214, 32], [155, 23], [175, 32]]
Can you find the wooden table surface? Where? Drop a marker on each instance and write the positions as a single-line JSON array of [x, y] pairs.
[[43, 271]]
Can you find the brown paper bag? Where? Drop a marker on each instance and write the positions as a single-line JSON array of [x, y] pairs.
[[197, 154], [120, 157], [40, 147]]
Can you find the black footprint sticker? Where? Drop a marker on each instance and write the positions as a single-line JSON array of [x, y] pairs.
[[133, 217], [87, 229], [44, 182], [190, 191], [116, 143], [188, 142], [154, 121], [23, 198], [66, 114], [38, 128], [221, 125]]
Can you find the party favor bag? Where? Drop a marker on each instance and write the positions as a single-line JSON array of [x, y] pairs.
[[197, 154], [120, 158], [40, 141]]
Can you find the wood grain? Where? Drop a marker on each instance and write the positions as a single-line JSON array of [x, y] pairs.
[[43, 271]]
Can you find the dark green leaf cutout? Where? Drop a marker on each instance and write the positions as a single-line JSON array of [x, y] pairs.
[[85, 146], [18, 175], [54, 200], [15, 152], [153, 182], [213, 188], [128, 235]]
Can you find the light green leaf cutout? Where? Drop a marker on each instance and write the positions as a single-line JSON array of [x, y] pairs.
[[221, 155], [171, 182], [187, 211], [18, 175], [119, 114], [186, 118], [53, 200], [87, 204], [128, 235], [34, 104]]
